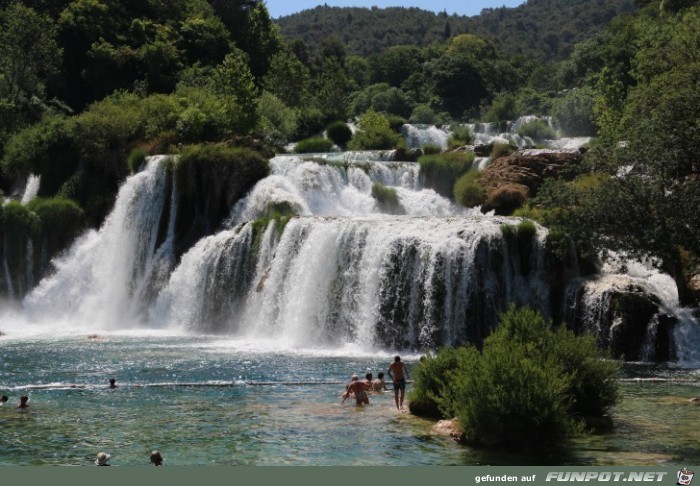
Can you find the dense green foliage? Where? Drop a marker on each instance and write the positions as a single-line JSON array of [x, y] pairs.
[[210, 179], [529, 380], [313, 145], [468, 192], [375, 133], [339, 132], [539, 29], [387, 199], [441, 171]]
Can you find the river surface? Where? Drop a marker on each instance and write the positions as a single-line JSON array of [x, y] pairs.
[[213, 400]]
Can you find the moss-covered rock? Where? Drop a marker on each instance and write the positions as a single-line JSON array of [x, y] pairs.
[[210, 179]]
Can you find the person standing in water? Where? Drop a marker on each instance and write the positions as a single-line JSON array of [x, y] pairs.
[[113, 383], [399, 373], [23, 405]]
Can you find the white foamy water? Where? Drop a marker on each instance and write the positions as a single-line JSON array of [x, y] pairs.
[[94, 283], [32, 189]]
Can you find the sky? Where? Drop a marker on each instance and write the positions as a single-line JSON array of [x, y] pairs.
[[278, 8]]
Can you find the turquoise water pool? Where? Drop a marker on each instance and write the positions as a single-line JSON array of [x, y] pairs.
[[209, 400]]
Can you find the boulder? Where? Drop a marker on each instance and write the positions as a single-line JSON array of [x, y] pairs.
[[448, 427], [627, 320], [528, 168]]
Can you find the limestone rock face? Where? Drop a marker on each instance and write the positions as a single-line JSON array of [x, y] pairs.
[[627, 320], [528, 168]]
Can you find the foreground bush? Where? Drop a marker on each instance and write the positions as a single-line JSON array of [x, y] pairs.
[[532, 387], [441, 171]]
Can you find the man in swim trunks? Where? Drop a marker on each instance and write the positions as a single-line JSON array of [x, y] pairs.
[[399, 373], [359, 389]]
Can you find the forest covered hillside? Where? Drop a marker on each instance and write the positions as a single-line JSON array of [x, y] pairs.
[[545, 30]]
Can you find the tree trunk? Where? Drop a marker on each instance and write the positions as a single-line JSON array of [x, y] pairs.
[[685, 296]]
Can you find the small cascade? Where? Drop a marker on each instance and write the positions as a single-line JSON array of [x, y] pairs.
[[633, 309], [418, 136], [8, 277], [95, 282], [32, 188], [205, 291], [309, 186]]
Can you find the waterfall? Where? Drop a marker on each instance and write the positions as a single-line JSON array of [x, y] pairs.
[[312, 257], [94, 283], [660, 329], [32, 188], [376, 281], [310, 186], [8, 276], [417, 136]]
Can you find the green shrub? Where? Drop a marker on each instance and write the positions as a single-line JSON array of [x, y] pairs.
[[375, 133], [501, 110], [527, 231], [429, 149], [468, 190], [387, 199], [423, 115], [310, 122], [575, 113], [460, 136], [506, 199], [538, 130], [396, 122], [46, 148], [531, 380], [440, 172], [313, 145], [501, 150], [61, 220], [339, 132], [136, 159], [431, 378]]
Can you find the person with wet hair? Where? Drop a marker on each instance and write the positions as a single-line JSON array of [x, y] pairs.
[[156, 458]]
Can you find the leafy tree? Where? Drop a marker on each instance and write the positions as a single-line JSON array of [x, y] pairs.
[[29, 57], [288, 79], [332, 89], [574, 112], [457, 81], [381, 98], [395, 65], [277, 121]]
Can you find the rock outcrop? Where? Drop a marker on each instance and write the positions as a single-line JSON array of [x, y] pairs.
[[625, 318], [524, 169]]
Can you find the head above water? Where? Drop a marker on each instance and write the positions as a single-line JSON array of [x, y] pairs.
[[102, 459], [380, 375], [4, 398], [368, 376], [156, 458], [23, 399], [397, 359]]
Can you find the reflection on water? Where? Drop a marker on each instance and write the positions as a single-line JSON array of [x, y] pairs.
[[203, 409]]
